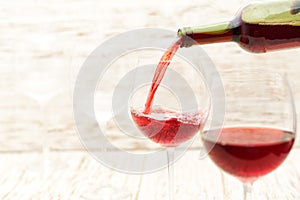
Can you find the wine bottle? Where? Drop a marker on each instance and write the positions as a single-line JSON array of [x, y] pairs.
[[258, 27]]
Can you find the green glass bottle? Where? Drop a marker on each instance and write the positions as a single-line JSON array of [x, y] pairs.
[[258, 27]]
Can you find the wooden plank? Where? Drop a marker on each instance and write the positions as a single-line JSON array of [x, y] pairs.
[[194, 179]]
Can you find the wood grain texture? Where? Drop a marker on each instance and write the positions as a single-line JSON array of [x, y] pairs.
[[74, 173]]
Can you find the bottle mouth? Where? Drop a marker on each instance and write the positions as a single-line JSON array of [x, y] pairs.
[[179, 33], [183, 33]]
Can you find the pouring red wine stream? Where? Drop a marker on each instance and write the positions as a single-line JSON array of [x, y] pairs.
[[159, 73]]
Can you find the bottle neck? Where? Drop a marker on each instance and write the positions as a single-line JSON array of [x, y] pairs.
[[214, 33]]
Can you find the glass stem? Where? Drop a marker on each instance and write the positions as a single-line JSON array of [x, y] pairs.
[[247, 190], [44, 135], [170, 156]]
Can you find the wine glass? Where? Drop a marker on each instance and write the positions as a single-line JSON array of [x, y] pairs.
[[93, 187], [41, 79], [179, 111], [259, 126]]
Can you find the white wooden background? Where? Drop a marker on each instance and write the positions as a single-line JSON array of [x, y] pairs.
[[65, 32]]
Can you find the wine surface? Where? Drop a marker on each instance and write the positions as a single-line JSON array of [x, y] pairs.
[[166, 127]]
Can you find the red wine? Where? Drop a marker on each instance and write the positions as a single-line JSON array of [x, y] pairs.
[[258, 27], [159, 73], [262, 38], [249, 152], [166, 127]]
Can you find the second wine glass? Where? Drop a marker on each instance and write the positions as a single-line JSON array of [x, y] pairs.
[[259, 127]]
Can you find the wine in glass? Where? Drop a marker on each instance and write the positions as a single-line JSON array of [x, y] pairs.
[[259, 127], [165, 121]]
